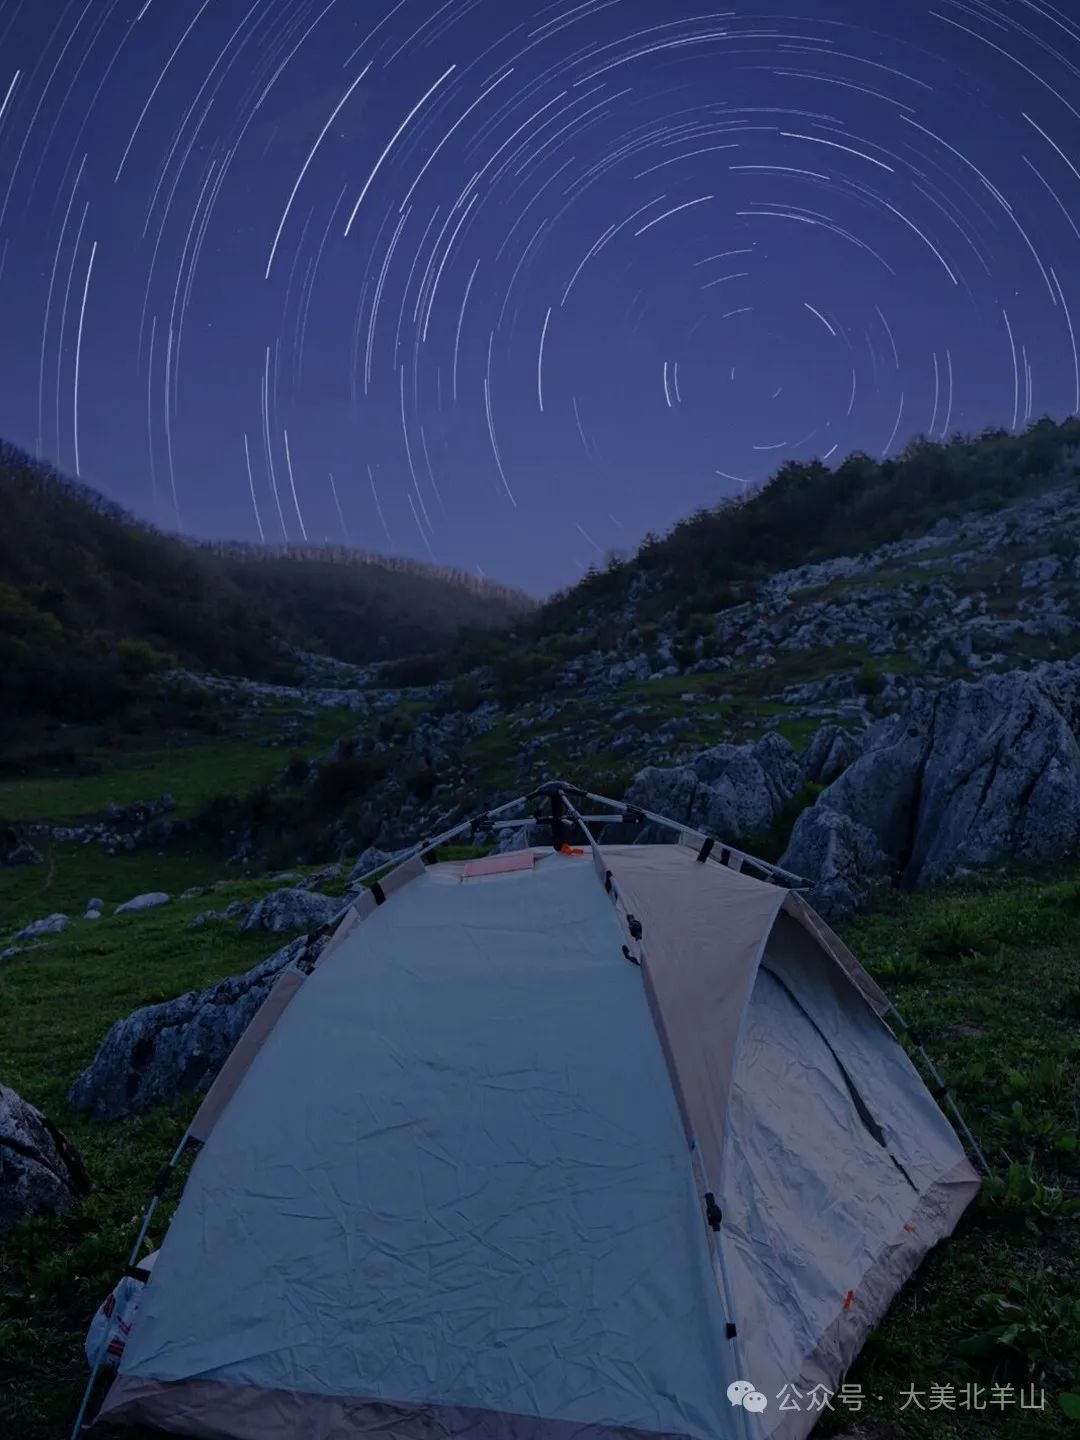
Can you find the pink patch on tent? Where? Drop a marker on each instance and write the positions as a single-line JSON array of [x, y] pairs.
[[499, 864]]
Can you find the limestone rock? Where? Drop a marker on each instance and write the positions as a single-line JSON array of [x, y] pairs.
[[50, 925], [164, 1051], [285, 911], [838, 855], [149, 901], [728, 791], [513, 839], [373, 858], [40, 1170], [970, 775], [828, 755]]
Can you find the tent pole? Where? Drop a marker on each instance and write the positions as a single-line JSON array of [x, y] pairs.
[[765, 865], [942, 1089], [695, 1155], [425, 846], [729, 1301], [99, 1360]]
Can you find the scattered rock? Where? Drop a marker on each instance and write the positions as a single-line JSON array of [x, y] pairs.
[[1040, 571], [323, 878], [371, 859], [16, 849], [40, 1170], [238, 910], [10, 953], [51, 925], [193, 892], [149, 901], [164, 1051], [511, 840], [283, 911], [92, 915], [95, 904]]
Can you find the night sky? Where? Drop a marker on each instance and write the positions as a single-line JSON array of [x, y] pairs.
[[508, 284]]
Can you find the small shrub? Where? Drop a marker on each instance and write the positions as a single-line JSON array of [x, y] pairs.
[[297, 770], [869, 681], [902, 967], [1025, 1329], [699, 624], [338, 781], [1020, 1196], [953, 935]]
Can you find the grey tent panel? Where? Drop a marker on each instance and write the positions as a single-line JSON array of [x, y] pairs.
[[454, 1174]]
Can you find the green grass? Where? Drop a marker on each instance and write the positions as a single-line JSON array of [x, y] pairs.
[[56, 1003], [989, 973], [192, 773]]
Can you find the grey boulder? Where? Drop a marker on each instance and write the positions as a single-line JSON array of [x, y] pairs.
[[372, 859], [238, 910], [149, 901], [164, 1051], [51, 925], [40, 1170], [283, 911]]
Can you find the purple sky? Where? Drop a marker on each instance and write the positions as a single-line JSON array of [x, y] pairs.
[[532, 278]]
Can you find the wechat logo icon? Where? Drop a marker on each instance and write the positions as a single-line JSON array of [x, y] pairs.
[[741, 1392]]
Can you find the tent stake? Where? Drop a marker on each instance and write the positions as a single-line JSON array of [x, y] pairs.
[[99, 1360]]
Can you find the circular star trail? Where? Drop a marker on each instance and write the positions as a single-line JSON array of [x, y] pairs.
[[505, 285]]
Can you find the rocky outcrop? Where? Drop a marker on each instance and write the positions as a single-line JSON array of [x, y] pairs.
[[828, 755], [283, 912], [970, 775], [729, 791], [40, 1170], [164, 1051], [841, 858]]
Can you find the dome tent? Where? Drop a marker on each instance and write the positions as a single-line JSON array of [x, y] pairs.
[[555, 1145]]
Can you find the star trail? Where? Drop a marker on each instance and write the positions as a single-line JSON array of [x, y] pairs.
[[507, 285]]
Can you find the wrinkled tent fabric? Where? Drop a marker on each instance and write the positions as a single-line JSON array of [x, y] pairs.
[[450, 1192]]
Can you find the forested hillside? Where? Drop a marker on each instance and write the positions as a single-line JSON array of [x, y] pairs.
[[363, 607], [808, 513], [676, 585], [94, 601]]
